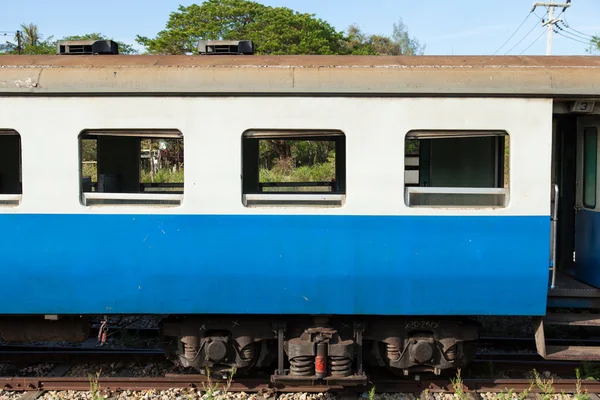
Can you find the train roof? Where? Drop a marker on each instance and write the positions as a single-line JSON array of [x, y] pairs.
[[547, 76]]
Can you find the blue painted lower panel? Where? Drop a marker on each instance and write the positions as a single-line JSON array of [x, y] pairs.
[[60, 264], [587, 247]]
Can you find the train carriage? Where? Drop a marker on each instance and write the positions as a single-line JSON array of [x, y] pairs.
[[464, 187]]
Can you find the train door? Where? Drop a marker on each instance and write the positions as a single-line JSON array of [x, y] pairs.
[[587, 208]]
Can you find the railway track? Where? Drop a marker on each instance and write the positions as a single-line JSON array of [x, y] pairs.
[[520, 357], [177, 381]]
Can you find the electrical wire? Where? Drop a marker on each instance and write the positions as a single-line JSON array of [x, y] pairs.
[[527, 34], [566, 25], [511, 36], [532, 43], [574, 34], [575, 40]]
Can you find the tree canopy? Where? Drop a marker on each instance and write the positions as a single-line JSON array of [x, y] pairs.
[[274, 30]]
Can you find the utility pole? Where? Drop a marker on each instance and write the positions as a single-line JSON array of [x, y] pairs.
[[551, 20], [19, 42]]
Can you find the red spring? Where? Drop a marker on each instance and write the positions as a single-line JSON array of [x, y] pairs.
[[320, 365]]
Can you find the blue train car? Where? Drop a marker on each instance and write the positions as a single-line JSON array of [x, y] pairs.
[[442, 207]]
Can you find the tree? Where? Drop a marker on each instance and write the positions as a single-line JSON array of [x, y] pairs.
[[405, 44], [124, 48], [400, 43], [595, 44], [32, 42], [274, 30]]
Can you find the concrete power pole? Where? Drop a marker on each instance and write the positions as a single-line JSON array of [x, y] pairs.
[[551, 20]]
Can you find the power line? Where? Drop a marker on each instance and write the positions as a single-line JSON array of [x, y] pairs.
[[511, 36], [527, 34], [532, 43], [566, 24], [583, 35], [574, 34], [568, 37]]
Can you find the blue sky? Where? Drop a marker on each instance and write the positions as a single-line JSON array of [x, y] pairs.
[[446, 27]]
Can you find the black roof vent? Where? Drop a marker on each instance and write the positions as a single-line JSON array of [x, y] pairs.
[[214, 47], [87, 47]]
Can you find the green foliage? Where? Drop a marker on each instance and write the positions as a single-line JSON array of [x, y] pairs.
[[124, 48], [91, 170], [357, 42], [372, 393], [457, 385], [580, 394], [590, 370], [546, 386], [32, 42], [89, 149], [95, 387], [212, 390], [162, 176], [274, 30], [296, 161], [595, 44]]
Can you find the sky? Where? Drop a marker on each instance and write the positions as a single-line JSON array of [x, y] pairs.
[[445, 27]]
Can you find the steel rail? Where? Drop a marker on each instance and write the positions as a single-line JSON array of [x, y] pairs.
[[177, 381]]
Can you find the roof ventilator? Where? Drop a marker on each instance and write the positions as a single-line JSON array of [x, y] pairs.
[[225, 47], [87, 47]]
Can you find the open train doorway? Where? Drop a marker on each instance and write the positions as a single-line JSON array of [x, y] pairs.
[[576, 233], [575, 218]]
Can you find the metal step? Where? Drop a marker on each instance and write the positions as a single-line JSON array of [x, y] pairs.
[[567, 353], [572, 319], [573, 353]]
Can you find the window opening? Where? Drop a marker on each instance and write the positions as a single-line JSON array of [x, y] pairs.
[[590, 166], [132, 167], [456, 169], [11, 187], [293, 168]]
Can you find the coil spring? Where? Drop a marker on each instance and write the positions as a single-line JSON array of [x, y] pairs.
[[302, 366], [189, 351], [452, 352], [248, 352], [340, 366], [393, 353]]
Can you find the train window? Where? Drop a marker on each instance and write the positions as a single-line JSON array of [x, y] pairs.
[[590, 166], [10, 168], [131, 167], [293, 168], [456, 169]]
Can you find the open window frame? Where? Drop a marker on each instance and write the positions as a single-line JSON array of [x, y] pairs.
[[138, 196], [11, 193], [424, 194], [281, 194]]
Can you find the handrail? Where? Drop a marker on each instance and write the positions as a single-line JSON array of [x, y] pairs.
[[553, 235]]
